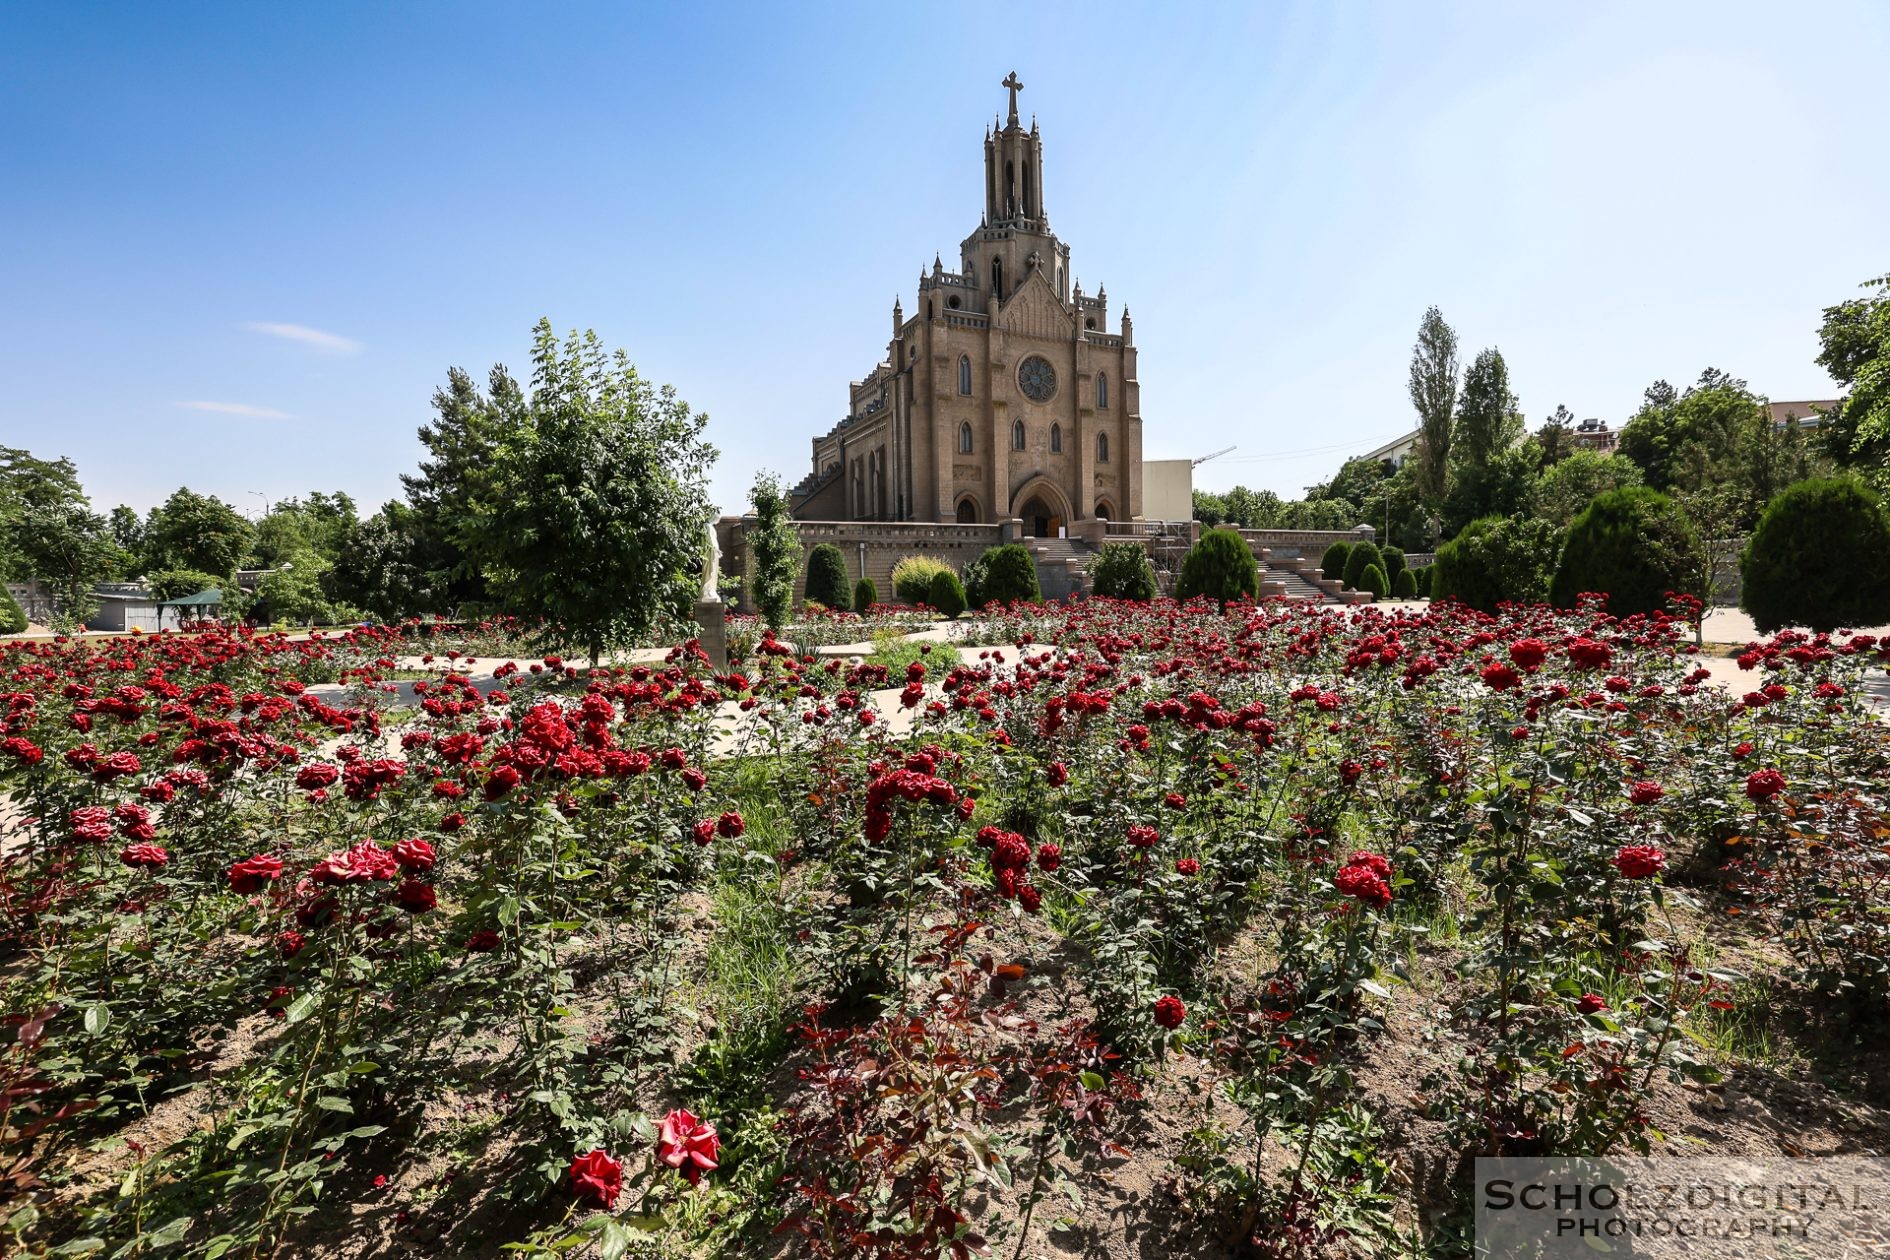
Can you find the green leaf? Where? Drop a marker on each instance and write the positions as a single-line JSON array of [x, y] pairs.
[[97, 1020], [507, 913], [300, 1009], [334, 1102]]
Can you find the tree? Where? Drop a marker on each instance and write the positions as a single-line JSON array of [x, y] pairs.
[[947, 595], [12, 616], [774, 550], [865, 594], [294, 591], [1434, 394], [1636, 547], [1332, 563], [1219, 566], [126, 528], [379, 567], [827, 580], [196, 531], [1566, 487], [1374, 581], [1855, 350], [1817, 559], [1357, 481], [1209, 508], [1123, 571], [1499, 486], [1493, 560], [599, 502], [1363, 555], [169, 584], [1556, 437], [1010, 576], [320, 525], [48, 532], [1684, 441], [455, 489], [1487, 420]]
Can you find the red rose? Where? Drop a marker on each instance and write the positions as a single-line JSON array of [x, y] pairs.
[[730, 825], [1591, 1004], [1363, 880], [416, 896], [1029, 898], [1169, 1012], [146, 856], [414, 855], [1645, 792], [704, 831], [1187, 866], [1639, 861], [501, 781], [1500, 677], [250, 874], [1175, 800], [1142, 836], [317, 774], [688, 1144], [1049, 856], [1529, 654], [92, 822], [1763, 785], [598, 1178], [694, 779], [1349, 771], [1058, 774], [366, 862], [483, 941]]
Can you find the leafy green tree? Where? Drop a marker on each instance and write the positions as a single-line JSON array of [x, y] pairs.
[[1404, 586], [295, 591], [320, 525], [1319, 514], [1123, 571], [1498, 486], [1556, 437], [1855, 350], [1817, 559], [599, 502], [12, 616], [1219, 566], [1394, 561], [1209, 508], [379, 567], [1433, 387], [126, 528], [1253, 509], [49, 533], [1636, 547], [196, 531], [827, 581], [455, 490], [1683, 441], [1496, 559], [1487, 420], [1567, 486], [774, 550], [168, 584], [1357, 481]]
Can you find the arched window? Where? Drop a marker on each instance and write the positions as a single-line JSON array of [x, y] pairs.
[[1102, 448], [1017, 435], [967, 512], [964, 439], [1056, 439], [1102, 391], [964, 374]]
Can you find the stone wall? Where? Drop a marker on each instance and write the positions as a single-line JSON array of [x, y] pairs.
[[871, 548], [1303, 544]]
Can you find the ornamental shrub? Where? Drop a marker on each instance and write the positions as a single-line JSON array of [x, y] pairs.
[[1374, 580], [1221, 567], [1009, 574], [1123, 571], [865, 594], [973, 578], [1817, 558], [1496, 558], [1332, 564], [1362, 557], [1635, 545], [827, 578], [12, 616], [1404, 586], [947, 595], [912, 578], [1395, 562]]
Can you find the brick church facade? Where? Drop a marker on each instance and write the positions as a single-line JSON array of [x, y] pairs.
[[1003, 395]]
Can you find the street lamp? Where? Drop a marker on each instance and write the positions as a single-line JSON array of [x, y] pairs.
[[265, 498]]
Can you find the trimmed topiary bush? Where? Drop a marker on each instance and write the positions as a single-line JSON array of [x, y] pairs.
[[1375, 581], [1332, 564], [1123, 571], [1817, 559], [912, 578], [1221, 567], [1362, 557], [827, 581], [12, 616], [1404, 586], [1634, 545], [947, 596], [865, 594], [1493, 559], [1394, 562], [1009, 575]]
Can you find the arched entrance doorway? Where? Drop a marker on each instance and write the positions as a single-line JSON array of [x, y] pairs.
[[1040, 519], [967, 512], [1105, 510]]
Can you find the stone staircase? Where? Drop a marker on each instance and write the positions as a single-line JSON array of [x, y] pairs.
[[1062, 566]]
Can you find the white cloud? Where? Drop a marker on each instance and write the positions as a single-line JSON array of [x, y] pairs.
[[236, 409], [331, 342]]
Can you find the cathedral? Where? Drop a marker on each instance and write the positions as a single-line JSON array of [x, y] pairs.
[[1003, 396]]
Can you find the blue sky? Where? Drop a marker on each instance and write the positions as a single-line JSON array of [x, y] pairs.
[[243, 243]]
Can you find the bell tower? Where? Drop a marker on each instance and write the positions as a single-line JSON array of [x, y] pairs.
[[1015, 237]]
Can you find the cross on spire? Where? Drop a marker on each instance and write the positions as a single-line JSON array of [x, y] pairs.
[[1016, 85]]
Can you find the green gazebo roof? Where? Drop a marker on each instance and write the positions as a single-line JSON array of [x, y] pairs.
[[202, 599]]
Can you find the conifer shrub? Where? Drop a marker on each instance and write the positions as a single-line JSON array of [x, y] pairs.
[[1633, 545], [827, 582], [1493, 559], [1008, 575], [865, 594], [1819, 557], [947, 595], [1123, 571], [1332, 564], [12, 616], [1395, 563], [1220, 566], [1362, 557], [1404, 586], [1374, 580]]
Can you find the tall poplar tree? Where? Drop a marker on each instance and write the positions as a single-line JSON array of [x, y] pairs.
[[1434, 394]]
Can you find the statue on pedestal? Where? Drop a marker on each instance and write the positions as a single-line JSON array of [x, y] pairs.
[[711, 571]]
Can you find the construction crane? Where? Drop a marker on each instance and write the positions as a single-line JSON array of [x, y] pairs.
[[1216, 455]]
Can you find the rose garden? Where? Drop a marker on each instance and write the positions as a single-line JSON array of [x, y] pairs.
[[1109, 928]]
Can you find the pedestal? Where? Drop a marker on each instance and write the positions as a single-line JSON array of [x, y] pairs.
[[712, 625]]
